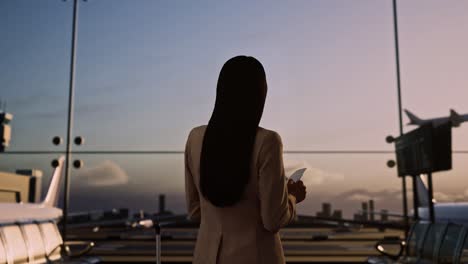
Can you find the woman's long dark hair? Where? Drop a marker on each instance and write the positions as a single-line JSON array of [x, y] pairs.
[[230, 136]]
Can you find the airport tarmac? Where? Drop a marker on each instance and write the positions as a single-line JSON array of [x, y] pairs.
[[301, 245]]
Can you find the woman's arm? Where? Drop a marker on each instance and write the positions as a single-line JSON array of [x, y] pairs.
[[278, 208], [191, 193]]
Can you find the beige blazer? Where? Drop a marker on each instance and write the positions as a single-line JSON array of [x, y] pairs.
[[246, 233]]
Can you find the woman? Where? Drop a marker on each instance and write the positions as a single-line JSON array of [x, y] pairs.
[[234, 175]]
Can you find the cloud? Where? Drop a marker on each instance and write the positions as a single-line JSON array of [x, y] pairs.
[[107, 173], [312, 176], [450, 197], [362, 197], [366, 195], [409, 194], [385, 195], [350, 202]]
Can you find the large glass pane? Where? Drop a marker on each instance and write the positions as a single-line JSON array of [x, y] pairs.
[[136, 181], [433, 56], [110, 187], [128, 181], [434, 59], [34, 70], [451, 186], [147, 70], [338, 179]]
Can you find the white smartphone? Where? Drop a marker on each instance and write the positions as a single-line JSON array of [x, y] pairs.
[[297, 175]]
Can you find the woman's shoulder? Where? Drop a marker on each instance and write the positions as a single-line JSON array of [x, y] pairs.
[[269, 135], [197, 132], [268, 143], [198, 129]]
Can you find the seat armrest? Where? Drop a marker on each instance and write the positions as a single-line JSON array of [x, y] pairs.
[[381, 246], [82, 248]]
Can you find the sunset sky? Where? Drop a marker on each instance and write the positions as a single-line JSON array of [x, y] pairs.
[[147, 71]]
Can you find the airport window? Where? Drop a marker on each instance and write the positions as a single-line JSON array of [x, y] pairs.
[[424, 45], [140, 88], [146, 74]]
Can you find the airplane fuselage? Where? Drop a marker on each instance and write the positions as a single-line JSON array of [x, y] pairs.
[[455, 118], [447, 212], [439, 121], [24, 212], [30, 212]]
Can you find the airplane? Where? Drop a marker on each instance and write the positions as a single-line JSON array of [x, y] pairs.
[[454, 212], [29, 231], [455, 118], [46, 210]]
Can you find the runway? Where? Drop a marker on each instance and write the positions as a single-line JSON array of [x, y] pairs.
[[301, 245]]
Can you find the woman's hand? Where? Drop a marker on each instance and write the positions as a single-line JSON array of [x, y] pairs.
[[297, 189]]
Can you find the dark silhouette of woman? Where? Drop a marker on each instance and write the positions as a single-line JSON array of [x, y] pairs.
[[234, 175]]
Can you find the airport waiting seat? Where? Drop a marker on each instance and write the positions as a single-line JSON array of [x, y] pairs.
[[451, 245], [428, 243], [35, 242], [462, 256], [431, 243], [414, 243]]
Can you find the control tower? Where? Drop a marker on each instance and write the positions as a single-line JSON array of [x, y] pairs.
[[5, 130]]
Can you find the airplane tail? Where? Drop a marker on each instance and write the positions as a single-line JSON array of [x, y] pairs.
[[423, 199], [455, 118], [414, 120], [52, 196]]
